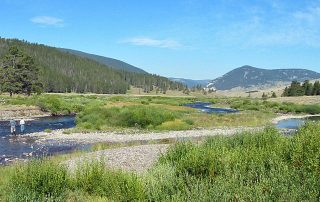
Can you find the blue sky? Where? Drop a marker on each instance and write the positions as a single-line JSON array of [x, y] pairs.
[[198, 39]]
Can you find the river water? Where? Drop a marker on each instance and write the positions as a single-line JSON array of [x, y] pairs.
[[22, 146], [205, 107], [295, 123]]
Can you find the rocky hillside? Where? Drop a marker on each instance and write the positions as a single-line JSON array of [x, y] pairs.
[[248, 77]]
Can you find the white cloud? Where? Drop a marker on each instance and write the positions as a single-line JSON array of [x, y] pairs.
[[159, 43], [48, 21]]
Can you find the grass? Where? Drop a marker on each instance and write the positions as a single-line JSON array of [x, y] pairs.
[[264, 166], [104, 113]]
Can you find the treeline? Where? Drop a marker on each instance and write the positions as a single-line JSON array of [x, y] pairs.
[[300, 89], [65, 72]]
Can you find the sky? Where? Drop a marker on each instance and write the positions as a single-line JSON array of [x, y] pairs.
[[195, 39]]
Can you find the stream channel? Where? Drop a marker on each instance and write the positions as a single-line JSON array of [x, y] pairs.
[[22, 147]]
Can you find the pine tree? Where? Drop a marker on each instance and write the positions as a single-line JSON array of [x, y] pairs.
[[296, 89], [285, 92], [316, 88], [18, 73], [308, 87], [264, 96]]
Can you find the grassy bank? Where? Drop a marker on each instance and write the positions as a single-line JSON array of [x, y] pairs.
[[264, 166]]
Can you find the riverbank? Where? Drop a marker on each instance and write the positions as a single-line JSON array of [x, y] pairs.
[[60, 136], [8, 112], [121, 137], [291, 116], [134, 159]]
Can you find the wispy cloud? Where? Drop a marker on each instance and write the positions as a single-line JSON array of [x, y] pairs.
[[147, 41], [48, 21]]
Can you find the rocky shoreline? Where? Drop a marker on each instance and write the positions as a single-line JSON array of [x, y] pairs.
[[134, 159], [122, 137], [291, 116]]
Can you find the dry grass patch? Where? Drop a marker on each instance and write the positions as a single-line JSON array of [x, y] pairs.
[[251, 119], [298, 100], [121, 104]]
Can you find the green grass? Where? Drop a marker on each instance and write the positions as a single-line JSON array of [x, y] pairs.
[[250, 167], [104, 113], [102, 118], [263, 166]]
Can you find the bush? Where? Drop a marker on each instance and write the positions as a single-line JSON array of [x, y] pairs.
[[97, 117], [47, 130], [249, 167], [93, 178], [37, 181]]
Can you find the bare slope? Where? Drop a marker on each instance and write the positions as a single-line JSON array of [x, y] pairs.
[[247, 76]]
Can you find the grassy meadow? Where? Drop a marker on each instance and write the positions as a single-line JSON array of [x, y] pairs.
[[262, 166], [104, 113]]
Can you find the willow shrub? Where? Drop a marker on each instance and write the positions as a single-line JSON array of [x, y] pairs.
[[38, 181], [98, 117], [249, 167]]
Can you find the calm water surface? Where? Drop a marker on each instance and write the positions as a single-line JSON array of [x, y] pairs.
[[295, 123], [205, 107]]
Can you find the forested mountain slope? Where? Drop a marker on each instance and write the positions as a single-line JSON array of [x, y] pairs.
[[113, 63], [66, 72]]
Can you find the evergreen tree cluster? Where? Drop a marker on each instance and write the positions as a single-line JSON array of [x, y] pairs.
[[18, 73], [65, 72], [298, 89]]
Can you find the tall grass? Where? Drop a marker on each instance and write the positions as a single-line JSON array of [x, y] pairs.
[[140, 116], [48, 181], [250, 167], [264, 166], [259, 105]]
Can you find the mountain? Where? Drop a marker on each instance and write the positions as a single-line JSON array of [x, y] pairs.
[[113, 63], [191, 83], [65, 72], [247, 77]]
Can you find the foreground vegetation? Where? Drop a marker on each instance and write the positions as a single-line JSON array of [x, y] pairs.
[[264, 166]]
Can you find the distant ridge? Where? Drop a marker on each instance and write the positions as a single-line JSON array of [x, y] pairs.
[[190, 82], [111, 62], [248, 76]]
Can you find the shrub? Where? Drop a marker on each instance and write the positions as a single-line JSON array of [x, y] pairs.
[[97, 117], [93, 178], [249, 167], [47, 130], [38, 180]]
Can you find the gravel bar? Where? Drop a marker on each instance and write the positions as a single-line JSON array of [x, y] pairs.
[[121, 137], [136, 158]]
